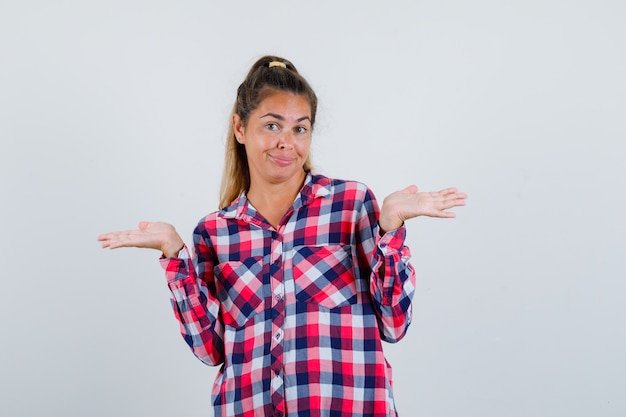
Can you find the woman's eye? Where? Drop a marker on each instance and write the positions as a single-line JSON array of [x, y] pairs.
[[271, 126], [300, 129]]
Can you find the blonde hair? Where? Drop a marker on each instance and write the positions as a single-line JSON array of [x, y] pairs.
[[262, 80]]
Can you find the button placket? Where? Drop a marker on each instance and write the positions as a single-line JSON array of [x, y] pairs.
[[278, 307], [279, 293]]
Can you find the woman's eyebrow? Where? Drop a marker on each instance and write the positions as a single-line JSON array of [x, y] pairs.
[[281, 118]]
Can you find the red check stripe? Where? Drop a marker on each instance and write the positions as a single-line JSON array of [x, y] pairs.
[[296, 315]]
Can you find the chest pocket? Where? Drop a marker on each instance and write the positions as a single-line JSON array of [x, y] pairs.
[[323, 274], [240, 290]]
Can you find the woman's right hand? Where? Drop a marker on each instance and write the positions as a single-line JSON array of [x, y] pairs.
[[153, 235]]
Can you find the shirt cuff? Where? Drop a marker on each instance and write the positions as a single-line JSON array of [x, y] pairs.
[[176, 268], [392, 241]]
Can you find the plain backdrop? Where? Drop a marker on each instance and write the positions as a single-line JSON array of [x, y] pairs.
[[112, 112]]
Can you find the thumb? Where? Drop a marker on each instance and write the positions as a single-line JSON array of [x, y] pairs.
[[411, 189], [143, 226]]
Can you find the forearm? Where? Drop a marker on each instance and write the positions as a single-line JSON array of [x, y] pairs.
[[196, 309], [392, 284]]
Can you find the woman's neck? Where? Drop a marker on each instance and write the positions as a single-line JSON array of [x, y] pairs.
[[272, 200]]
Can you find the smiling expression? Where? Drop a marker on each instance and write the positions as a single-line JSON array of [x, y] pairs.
[[277, 138]]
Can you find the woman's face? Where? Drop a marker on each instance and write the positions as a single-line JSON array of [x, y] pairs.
[[277, 138]]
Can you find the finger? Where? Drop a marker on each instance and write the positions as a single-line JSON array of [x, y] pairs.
[[143, 225], [441, 214], [412, 189], [113, 235], [104, 236], [444, 203], [110, 244], [119, 244], [447, 191], [452, 202], [126, 240], [443, 207]]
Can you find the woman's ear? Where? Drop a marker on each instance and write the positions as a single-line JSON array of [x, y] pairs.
[[238, 128]]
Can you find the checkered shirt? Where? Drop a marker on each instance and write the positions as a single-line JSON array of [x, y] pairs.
[[296, 315]]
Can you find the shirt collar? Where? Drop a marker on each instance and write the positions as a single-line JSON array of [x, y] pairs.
[[315, 186]]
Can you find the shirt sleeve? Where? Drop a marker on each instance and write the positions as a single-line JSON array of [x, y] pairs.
[[392, 278], [194, 301]]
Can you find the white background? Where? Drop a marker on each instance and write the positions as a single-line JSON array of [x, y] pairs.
[[112, 112]]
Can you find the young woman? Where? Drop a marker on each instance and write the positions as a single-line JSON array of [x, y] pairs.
[[295, 282]]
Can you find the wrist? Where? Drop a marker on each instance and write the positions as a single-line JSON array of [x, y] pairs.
[[387, 225], [171, 250]]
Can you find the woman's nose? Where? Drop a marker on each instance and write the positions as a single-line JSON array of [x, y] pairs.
[[285, 141]]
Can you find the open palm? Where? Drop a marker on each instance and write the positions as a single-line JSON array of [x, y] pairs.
[[152, 235], [409, 202]]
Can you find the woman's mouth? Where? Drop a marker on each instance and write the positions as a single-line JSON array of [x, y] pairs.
[[282, 160]]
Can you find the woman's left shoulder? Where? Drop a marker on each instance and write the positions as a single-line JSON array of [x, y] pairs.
[[345, 184], [347, 188]]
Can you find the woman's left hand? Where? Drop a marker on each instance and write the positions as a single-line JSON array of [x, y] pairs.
[[408, 203]]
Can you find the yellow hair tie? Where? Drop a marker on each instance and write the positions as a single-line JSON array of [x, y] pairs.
[[277, 64]]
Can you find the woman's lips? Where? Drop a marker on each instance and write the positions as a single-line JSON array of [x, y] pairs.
[[282, 160]]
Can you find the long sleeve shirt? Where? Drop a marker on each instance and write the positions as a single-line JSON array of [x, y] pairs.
[[295, 315]]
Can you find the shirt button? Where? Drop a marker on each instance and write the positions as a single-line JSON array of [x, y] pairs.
[[278, 336], [278, 298]]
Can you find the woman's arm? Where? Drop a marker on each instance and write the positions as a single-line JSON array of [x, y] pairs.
[[192, 292], [384, 262], [194, 301], [392, 280]]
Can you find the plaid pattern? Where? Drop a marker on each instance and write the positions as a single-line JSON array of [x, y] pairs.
[[296, 315]]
